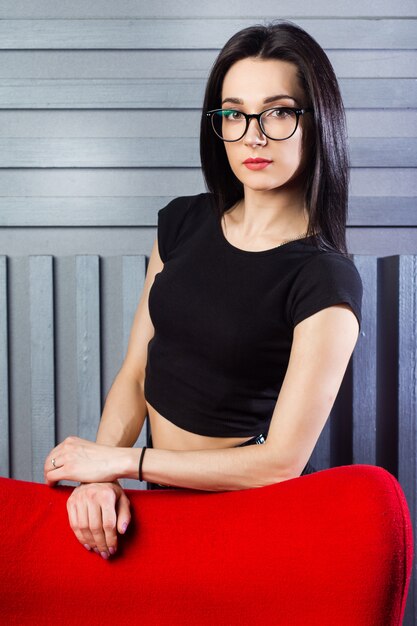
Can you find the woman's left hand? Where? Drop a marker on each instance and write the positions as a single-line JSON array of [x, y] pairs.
[[82, 460]]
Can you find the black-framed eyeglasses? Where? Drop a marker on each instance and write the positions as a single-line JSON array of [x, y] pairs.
[[277, 123]]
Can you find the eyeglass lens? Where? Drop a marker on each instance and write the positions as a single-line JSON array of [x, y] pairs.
[[279, 123]]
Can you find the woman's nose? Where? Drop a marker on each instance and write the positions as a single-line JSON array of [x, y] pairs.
[[254, 131]]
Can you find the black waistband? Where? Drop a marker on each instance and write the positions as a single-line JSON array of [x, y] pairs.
[[257, 439]]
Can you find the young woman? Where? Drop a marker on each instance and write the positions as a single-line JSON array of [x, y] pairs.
[[255, 306]]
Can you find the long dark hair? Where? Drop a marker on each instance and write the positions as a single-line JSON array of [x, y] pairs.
[[327, 180]]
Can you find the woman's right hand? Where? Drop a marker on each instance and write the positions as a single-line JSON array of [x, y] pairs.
[[96, 512]]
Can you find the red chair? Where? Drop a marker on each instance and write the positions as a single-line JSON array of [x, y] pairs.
[[333, 548]]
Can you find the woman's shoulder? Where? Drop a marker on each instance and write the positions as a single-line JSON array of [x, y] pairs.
[[180, 216], [332, 260], [329, 270], [180, 206], [327, 277]]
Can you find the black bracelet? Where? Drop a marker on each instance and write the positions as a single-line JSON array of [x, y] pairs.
[[140, 463]]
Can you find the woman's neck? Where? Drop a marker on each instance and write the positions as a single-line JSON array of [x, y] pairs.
[[286, 221]]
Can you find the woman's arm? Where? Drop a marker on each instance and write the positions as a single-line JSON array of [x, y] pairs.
[[211, 470], [124, 412], [226, 469]]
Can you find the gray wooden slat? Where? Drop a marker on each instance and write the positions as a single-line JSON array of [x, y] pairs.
[[321, 457], [78, 123], [174, 93], [133, 279], [396, 182], [18, 310], [373, 152], [134, 270], [163, 33], [341, 423], [382, 211], [63, 64], [155, 152], [364, 366], [88, 345], [41, 362], [187, 8], [4, 373], [407, 399], [378, 123], [142, 211], [388, 361], [99, 152], [69, 211], [50, 182], [116, 182]]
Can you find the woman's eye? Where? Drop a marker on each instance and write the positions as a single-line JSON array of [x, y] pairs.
[[232, 115], [281, 112]]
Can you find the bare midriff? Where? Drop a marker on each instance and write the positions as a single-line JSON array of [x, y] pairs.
[[168, 436]]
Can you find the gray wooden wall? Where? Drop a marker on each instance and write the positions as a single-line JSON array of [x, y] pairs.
[[99, 120]]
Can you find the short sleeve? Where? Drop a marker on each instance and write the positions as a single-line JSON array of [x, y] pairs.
[[329, 278], [170, 221]]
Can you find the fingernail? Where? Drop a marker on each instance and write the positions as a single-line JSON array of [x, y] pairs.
[[124, 527], [112, 550], [87, 547], [96, 550], [104, 555]]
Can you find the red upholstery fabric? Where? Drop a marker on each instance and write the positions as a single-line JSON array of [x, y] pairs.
[[334, 547]]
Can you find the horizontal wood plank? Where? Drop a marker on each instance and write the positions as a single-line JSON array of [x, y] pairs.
[[171, 152], [49, 9], [79, 123], [142, 211], [32, 34], [108, 64], [100, 182], [173, 93]]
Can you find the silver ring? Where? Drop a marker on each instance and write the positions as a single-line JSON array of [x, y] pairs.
[[53, 462]]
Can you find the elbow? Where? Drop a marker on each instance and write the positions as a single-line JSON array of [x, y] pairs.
[[277, 466], [268, 479], [275, 473], [282, 474]]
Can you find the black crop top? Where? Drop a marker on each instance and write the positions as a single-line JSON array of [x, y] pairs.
[[224, 319]]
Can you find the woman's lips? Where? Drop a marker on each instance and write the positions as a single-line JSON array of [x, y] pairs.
[[257, 166]]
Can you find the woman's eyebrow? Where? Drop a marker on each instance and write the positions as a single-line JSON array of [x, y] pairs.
[[266, 101]]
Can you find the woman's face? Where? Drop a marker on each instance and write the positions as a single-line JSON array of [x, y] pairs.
[[252, 81]]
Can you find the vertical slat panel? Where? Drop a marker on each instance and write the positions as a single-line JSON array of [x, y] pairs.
[[41, 361], [88, 345], [134, 270], [19, 367], [407, 400], [341, 423], [321, 455], [364, 367], [387, 362], [4, 374]]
